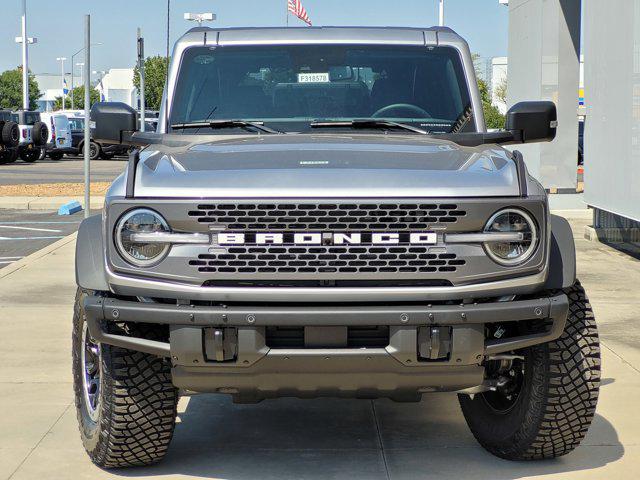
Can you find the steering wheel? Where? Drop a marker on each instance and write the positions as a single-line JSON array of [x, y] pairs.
[[414, 109]]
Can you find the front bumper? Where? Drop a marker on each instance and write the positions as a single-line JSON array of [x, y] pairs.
[[255, 370], [144, 287]]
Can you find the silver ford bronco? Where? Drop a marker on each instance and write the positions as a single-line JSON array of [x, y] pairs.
[[321, 212]]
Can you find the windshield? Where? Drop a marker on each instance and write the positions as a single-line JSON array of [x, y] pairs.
[[289, 87], [76, 123]]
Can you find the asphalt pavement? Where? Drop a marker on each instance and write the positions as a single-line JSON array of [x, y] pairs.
[[23, 232], [67, 170]]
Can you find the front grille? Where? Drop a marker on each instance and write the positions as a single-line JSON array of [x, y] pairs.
[[357, 337], [330, 259], [327, 216]]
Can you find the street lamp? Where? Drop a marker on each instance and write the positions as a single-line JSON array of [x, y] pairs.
[[72, 70], [200, 17], [61, 60], [441, 13], [25, 41]]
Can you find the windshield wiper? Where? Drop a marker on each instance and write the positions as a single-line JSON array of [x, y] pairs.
[[368, 123], [220, 124]]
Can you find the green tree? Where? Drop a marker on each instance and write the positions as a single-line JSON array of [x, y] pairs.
[[155, 69], [11, 90], [78, 98]]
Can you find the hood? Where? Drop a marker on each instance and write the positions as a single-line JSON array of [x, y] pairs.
[[294, 166]]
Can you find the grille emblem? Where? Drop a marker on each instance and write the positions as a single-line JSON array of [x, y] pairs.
[[328, 238]]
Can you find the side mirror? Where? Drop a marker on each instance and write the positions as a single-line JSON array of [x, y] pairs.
[[115, 122], [532, 122]]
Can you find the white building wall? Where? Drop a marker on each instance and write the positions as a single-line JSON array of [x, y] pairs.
[[117, 86], [612, 98], [499, 74], [544, 44]]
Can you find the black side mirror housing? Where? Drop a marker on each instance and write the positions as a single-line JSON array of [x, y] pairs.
[[532, 121], [115, 122]]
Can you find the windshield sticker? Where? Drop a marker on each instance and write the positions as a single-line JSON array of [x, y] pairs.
[[313, 77]]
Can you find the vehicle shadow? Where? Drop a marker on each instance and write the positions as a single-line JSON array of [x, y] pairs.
[[355, 439]]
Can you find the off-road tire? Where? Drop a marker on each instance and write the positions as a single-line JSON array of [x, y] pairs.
[[10, 134], [40, 134], [554, 410], [137, 403], [30, 156]]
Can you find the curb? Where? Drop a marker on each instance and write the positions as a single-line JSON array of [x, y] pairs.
[[46, 203], [43, 252]]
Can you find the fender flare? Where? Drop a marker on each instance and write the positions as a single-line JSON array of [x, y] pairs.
[[90, 268], [562, 255]]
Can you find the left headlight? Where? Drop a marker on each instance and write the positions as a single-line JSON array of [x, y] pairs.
[[512, 253], [138, 253]]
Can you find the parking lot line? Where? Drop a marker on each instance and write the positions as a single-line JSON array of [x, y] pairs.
[[32, 238], [31, 228]]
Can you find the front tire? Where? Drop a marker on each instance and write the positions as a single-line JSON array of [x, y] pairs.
[[125, 401], [550, 411]]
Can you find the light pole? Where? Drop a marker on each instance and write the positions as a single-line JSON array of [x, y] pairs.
[[441, 13], [143, 105], [72, 71], [25, 41], [61, 60]]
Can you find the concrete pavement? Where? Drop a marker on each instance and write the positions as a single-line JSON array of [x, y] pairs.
[[288, 438]]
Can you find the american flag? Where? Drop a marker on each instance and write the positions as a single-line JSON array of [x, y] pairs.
[[295, 7]]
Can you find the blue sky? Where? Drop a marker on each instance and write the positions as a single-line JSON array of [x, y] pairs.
[[58, 25]]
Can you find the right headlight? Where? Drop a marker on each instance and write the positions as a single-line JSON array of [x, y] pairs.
[[140, 253], [512, 253]]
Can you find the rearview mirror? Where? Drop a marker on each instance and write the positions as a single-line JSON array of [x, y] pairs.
[[114, 122], [532, 122]]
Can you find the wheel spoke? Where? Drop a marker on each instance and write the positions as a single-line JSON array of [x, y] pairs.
[[91, 355]]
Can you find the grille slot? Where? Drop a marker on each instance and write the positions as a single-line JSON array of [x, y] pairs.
[[329, 259], [395, 217]]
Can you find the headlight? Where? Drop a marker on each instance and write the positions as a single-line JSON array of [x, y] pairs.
[[138, 253], [513, 252]]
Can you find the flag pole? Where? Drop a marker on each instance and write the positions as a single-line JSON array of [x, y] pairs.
[[287, 10]]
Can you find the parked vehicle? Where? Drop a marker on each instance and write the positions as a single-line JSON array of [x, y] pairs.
[[9, 137], [59, 140], [97, 150], [322, 213], [33, 135]]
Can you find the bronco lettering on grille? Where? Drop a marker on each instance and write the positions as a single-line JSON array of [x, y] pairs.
[[328, 238]]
